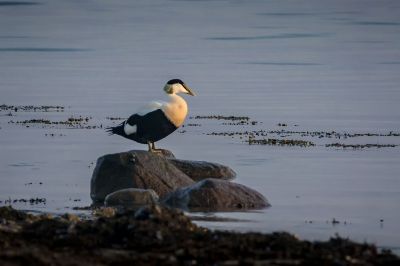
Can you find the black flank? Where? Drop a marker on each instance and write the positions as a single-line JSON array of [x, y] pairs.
[[151, 127]]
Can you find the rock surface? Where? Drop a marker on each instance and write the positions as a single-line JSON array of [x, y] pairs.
[[199, 170], [216, 195], [135, 169], [131, 197]]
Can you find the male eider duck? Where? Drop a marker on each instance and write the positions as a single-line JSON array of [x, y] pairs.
[[157, 119]]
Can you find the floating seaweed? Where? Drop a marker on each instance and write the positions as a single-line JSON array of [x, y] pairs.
[[315, 134], [279, 142], [115, 118], [32, 108], [192, 125], [31, 201], [360, 146], [72, 122], [241, 123], [220, 117], [54, 135]]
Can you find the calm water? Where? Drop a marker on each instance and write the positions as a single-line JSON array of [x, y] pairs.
[[319, 65]]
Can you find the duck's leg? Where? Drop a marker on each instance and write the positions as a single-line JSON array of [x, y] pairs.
[[152, 148]]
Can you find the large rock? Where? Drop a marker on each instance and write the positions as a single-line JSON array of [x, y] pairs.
[[131, 197], [135, 169], [199, 170], [216, 195]]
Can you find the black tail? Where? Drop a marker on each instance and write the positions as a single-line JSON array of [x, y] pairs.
[[119, 130]]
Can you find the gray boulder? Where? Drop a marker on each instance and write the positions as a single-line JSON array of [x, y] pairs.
[[199, 170], [216, 195], [135, 169], [131, 197]]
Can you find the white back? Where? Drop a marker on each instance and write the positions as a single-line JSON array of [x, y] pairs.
[[150, 107]]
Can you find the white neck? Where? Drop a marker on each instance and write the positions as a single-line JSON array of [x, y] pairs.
[[175, 109]]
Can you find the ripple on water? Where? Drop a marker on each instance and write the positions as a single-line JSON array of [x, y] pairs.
[[18, 3], [15, 36], [306, 14], [42, 49], [251, 161], [283, 63], [288, 14], [22, 164], [375, 23], [270, 37], [390, 63]]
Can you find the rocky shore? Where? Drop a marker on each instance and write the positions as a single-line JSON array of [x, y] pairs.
[[156, 235]]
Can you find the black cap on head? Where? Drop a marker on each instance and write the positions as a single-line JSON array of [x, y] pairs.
[[174, 81]]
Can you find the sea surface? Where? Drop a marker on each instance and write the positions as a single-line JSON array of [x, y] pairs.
[[297, 66]]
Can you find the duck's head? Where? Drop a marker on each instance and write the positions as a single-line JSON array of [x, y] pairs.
[[174, 86]]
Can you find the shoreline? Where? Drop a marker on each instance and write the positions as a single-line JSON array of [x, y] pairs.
[[155, 234]]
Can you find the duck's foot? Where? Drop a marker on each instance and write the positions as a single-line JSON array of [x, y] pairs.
[[157, 151]]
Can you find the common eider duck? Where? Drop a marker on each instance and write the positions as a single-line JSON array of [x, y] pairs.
[[157, 119]]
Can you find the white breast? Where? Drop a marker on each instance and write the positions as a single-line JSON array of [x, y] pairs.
[[175, 110]]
